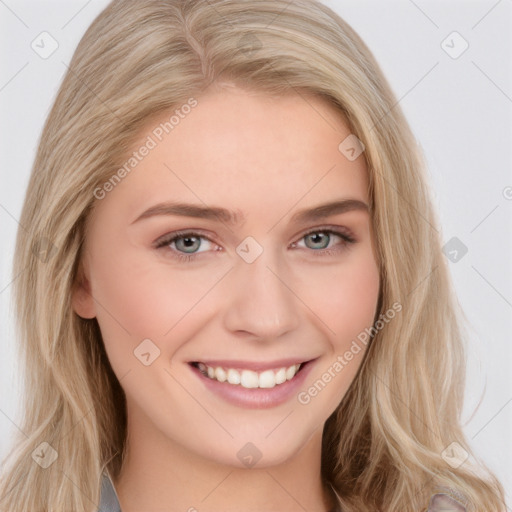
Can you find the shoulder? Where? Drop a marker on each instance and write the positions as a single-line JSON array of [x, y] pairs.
[[447, 500]]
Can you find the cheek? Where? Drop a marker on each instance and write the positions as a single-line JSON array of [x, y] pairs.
[[139, 299], [347, 298], [346, 303]]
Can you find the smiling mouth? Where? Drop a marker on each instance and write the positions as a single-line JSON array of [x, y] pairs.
[[250, 379]]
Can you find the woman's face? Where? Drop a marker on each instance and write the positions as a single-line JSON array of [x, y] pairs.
[[275, 279]]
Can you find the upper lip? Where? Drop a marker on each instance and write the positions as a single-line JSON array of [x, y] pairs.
[[253, 365]]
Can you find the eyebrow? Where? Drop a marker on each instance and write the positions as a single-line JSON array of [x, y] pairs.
[[235, 218]]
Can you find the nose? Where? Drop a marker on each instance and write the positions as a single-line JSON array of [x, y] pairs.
[[261, 300]]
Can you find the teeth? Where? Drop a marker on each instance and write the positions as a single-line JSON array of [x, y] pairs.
[[291, 371], [248, 378], [220, 374], [281, 376], [233, 376], [267, 379]]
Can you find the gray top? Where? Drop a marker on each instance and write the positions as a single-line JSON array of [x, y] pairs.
[[109, 501]]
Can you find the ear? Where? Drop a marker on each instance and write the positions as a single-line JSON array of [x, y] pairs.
[[81, 298]]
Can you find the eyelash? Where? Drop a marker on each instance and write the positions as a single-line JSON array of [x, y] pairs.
[[172, 237]]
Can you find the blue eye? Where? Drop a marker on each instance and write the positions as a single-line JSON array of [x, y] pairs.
[[319, 239], [187, 243]]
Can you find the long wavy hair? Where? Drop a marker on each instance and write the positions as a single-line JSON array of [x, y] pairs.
[[383, 446]]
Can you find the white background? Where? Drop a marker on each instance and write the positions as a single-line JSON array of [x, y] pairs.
[[460, 110]]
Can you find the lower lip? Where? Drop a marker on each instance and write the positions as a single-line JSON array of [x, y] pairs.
[[256, 398]]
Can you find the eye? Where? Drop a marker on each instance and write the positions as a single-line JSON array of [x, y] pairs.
[[319, 240], [186, 244]]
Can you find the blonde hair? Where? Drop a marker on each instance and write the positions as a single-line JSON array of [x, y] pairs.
[[383, 445]]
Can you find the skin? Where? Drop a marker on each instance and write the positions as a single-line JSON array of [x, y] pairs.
[[266, 158]]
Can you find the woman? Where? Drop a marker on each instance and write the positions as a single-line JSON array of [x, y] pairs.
[[232, 294]]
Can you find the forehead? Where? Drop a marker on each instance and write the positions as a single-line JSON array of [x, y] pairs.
[[247, 150]]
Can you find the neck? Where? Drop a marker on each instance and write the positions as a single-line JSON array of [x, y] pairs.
[[161, 475]]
